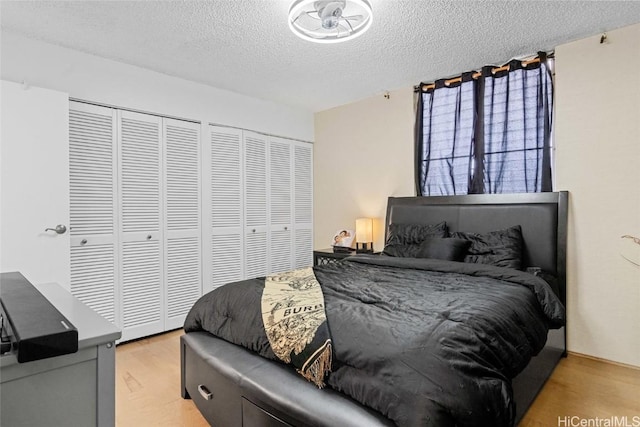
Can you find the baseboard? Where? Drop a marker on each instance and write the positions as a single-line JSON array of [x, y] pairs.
[[599, 359]]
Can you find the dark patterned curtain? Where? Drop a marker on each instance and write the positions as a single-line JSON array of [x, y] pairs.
[[445, 130], [491, 134]]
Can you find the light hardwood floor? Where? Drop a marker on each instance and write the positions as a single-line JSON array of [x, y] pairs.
[[148, 384], [148, 389]]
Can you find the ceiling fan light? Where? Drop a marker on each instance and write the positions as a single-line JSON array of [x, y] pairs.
[[330, 21]]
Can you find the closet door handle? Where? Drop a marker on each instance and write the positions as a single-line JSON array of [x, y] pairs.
[[148, 236]]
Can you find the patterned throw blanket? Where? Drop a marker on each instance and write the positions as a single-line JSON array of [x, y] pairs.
[[296, 324]]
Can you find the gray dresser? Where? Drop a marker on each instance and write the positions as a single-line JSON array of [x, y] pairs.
[[75, 389]]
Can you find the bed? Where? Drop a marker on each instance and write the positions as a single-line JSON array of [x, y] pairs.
[[236, 386]]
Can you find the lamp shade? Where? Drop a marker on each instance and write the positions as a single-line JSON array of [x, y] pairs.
[[364, 230]]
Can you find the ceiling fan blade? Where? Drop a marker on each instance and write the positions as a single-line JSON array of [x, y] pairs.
[[309, 14], [359, 17], [349, 24], [347, 29]]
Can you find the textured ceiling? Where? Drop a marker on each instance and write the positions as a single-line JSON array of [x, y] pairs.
[[245, 46]]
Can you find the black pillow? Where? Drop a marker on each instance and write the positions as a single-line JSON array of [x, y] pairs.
[[502, 248], [403, 240], [447, 249], [413, 234], [405, 251]]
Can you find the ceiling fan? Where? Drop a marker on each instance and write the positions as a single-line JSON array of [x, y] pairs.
[[329, 21]]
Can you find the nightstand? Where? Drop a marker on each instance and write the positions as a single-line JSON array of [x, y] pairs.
[[328, 256]]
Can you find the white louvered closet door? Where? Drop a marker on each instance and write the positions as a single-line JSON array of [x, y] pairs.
[[280, 230], [226, 183], [183, 272], [92, 152], [140, 183], [303, 204], [256, 212]]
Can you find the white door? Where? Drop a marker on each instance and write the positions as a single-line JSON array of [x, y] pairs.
[[92, 174], [34, 181], [183, 273], [303, 204], [256, 197], [280, 206], [226, 207], [141, 216]]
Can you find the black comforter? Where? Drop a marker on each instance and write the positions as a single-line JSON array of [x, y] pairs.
[[424, 342]]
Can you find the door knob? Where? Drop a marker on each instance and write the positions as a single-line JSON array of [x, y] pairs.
[[60, 229]]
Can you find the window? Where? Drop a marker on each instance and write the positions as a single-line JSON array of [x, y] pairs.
[[486, 132]]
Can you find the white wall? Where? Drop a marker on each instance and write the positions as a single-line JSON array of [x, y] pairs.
[[598, 161], [363, 153], [92, 78]]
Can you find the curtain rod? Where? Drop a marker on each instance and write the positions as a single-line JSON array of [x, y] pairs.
[[477, 74]]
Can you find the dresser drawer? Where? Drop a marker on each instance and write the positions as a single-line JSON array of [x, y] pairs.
[[214, 394], [255, 416]]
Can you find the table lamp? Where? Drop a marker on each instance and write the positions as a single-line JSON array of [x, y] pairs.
[[364, 235]]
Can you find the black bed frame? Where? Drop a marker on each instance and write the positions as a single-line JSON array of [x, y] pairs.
[[233, 387]]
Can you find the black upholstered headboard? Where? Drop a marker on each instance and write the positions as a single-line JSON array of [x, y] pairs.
[[542, 216]]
